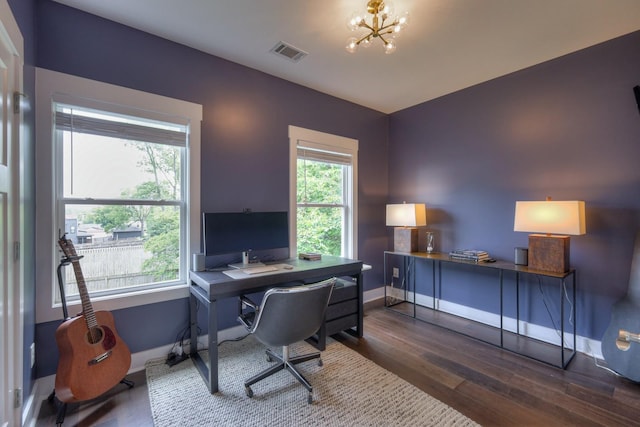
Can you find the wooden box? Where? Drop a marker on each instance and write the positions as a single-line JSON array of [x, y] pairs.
[[549, 253]]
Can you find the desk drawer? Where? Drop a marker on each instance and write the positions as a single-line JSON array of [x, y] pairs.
[[348, 290], [341, 309]]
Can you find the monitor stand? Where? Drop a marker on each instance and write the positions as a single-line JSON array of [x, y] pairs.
[[245, 262]]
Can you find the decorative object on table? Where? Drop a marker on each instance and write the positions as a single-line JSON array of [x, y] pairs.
[[405, 217], [621, 340], [558, 219], [384, 26], [310, 256], [471, 255], [521, 256], [430, 242]]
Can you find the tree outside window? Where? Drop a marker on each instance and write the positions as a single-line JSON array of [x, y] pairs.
[[320, 210]]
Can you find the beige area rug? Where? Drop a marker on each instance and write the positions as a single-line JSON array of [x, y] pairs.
[[348, 390]]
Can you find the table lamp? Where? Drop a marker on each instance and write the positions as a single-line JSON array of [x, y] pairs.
[[558, 220], [405, 218]]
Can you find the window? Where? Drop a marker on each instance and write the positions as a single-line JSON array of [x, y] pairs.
[[122, 200], [122, 181], [323, 193]]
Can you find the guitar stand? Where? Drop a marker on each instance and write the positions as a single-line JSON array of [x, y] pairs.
[[62, 406]]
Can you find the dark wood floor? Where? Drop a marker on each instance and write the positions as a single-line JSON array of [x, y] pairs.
[[494, 387]]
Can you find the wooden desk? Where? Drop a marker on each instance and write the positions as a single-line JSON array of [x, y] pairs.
[[208, 287], [515, 341]]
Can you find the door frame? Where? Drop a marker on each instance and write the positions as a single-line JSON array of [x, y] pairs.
[[12, 272]]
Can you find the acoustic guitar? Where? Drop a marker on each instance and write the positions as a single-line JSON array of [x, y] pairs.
[[621, 341], [93, 358]]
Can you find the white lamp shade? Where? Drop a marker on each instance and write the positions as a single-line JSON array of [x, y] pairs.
[[551, 217], [407, 215]]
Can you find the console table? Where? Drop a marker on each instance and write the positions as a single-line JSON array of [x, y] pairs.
[[208, 287], [512, 340]]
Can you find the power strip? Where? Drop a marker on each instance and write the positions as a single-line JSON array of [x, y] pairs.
[[174, 358]]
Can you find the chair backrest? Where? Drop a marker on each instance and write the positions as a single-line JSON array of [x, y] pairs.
[[289, 315]]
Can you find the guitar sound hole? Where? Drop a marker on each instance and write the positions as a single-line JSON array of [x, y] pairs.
[[94, 335]]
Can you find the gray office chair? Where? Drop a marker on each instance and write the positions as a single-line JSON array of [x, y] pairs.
[[286, 316]]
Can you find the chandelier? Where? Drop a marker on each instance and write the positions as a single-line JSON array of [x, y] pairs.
[[382, 26]]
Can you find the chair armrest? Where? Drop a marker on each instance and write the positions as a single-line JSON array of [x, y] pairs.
[[247, 318], [245, 301]]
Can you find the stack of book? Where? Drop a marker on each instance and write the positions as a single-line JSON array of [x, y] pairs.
[[310, 256], [469, 255]]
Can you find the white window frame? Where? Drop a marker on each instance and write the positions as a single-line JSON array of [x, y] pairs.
[[301, 137], [54, 86]]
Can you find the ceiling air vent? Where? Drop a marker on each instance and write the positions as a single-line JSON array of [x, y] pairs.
[[287, 51]]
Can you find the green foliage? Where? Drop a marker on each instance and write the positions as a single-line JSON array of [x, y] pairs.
[[164, 264], [319, 182], [319, 229], [164, 243], [110, 217]]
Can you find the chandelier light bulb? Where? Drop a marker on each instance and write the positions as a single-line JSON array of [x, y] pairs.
[[397, 30], [387, 10], [390, 47], [352, 45], [403, 20], [354, 22]]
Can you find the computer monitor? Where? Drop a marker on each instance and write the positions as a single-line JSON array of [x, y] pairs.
[[235, 232]]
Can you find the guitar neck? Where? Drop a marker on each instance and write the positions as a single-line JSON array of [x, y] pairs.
[[87, 308]]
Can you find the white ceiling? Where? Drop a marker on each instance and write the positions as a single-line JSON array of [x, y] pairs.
[[449, 45]]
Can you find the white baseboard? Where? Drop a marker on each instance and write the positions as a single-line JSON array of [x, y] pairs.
[[31, 407], [373, 294], [585, 345]]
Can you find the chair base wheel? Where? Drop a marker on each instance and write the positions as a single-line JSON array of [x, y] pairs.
[[320, 362], [248, 391], [310, 399]]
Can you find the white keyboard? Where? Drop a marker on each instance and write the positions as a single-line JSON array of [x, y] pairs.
[[258, 270]]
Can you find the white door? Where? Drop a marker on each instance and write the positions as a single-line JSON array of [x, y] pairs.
[[11, 323]]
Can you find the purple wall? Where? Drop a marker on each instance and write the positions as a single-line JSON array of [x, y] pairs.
[[568, 128], [245, 160]]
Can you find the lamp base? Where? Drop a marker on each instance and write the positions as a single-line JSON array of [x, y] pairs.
[[405, 239], [549, 253]]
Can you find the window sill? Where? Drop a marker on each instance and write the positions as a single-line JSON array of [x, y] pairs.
[[117, 302]]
